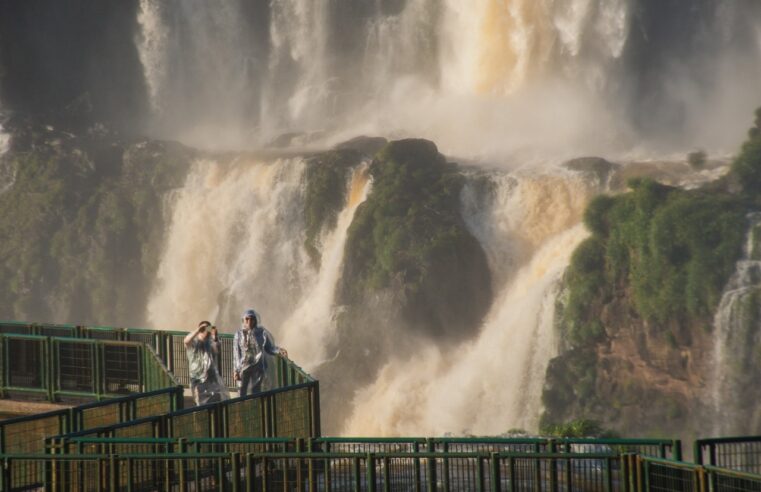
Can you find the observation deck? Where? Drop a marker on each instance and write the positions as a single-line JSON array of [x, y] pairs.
[[128, 428]]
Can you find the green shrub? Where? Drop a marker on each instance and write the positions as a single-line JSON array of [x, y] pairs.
[[326, 177], [747, 165], [672, 250]]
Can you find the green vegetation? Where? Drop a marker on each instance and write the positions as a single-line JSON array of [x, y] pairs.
[[326, 177], [82, 227], [409, 236], [577, 428], [671, 251], [747, 165], [697, 159]]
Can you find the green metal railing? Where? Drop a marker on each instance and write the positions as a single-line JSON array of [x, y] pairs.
[[28, 434], [78, 369], [168, 346], [284, 412], [742, 453], [326, 471]]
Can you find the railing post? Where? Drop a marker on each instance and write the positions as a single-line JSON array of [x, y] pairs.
[[699, 480], [553, 467], [315, 409], [445, 465], [370, 472], [430, 446], [50, 358], [357, 474], [676, 449], [495, 478], [480, 479], [697, 451], [235, 465], [416, 467]]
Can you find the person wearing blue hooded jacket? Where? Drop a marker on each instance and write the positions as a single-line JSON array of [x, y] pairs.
[[250, 344]]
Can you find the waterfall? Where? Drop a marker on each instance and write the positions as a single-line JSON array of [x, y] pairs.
[[308, 330], [484, 387], [736, 333], [236, 240], [493, 78], [529, 226]]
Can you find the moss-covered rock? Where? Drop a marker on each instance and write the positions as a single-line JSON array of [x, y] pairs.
[[638, 304], [326, 178], [409, 236], [83, 225]]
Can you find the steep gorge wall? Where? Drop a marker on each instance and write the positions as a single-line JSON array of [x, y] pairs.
[[638, 315]]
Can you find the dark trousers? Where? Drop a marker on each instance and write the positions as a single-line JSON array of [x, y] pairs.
[[251, 380]]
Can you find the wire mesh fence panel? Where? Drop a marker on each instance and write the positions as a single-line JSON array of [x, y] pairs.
[[225, 361], [80, 474], [196, 422], [559, 473], [76, 361], [664, 477], [241, 445], [99, 415], [491, 446], [121, 368], [159, 404], [26, 435], [646, 447], [149, 427], [148, 337], [103, 333], [723, 481], [292, 413], [740, 456], [454, 473], [25, 362], [178, 362], [15, 328], [56, 330], [148, 474], [245, 418], [306, 472], [369, 445]]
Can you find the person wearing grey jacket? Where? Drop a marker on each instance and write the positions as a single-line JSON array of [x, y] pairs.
[[250, 344]]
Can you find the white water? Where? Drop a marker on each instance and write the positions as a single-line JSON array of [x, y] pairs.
[[308, 330], [492, 78], [528, 226], [235, 241], [730, 325], [484, 387]]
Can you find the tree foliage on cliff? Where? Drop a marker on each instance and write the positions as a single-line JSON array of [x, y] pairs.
[[409, 235], [747, 165], [669, 250], [82, 225]]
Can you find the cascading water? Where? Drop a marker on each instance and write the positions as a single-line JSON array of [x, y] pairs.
[[737, 333], [313, 315], [493, 383], [489, 78], [236, 241], [513, 83], [233, 242]]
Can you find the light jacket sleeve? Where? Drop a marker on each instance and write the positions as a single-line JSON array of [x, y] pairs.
[[237, 356], [269, 343]]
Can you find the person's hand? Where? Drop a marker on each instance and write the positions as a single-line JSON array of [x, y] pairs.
[[236, 376], [283, 352]]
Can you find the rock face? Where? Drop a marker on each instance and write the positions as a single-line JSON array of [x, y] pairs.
[[637, 313], [82, 221], [410, 264]]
